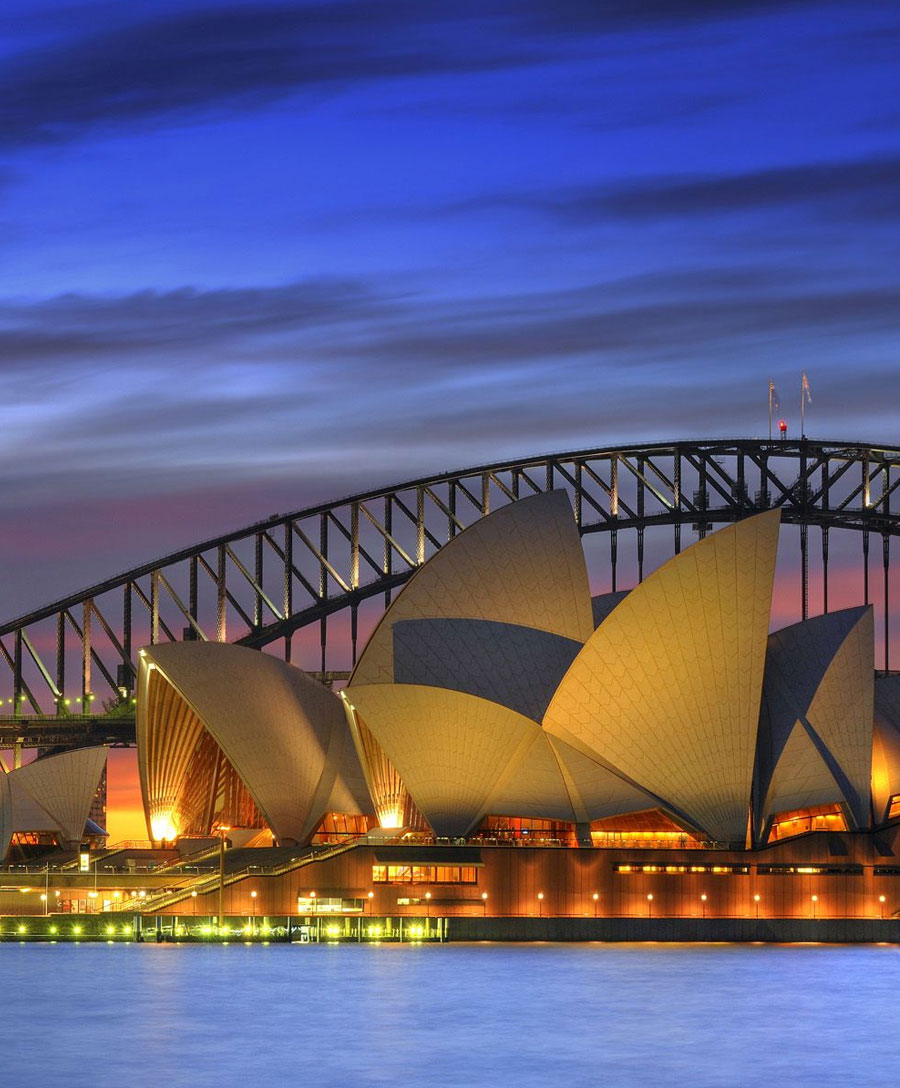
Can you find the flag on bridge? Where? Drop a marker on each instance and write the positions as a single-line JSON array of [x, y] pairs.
[[805, 398], [774, 406]]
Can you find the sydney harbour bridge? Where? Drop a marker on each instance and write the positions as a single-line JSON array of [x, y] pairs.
[[310, 584]]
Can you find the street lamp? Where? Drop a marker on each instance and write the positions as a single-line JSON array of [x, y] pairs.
[[815, 900], [596, 899], [222, 828], [371, 896], [253, 906], [703, 901], [756, 901], [650, 904], [194, 903], [881, 901], [540, 904], [427, 904], [44, 901], [484, 898]]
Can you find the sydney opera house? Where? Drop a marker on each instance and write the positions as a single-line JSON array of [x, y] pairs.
[[506, 742]]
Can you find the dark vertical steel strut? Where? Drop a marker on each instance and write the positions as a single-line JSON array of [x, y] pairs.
[[221, 598], [288, 583], [865, 547], [826, 476], [614, 513], [825, 569], [677, 498], [258, 575], [323, 586], [886, 558], [61, 661], [641, 464], [388, 564], [886, 553], [804, 541]]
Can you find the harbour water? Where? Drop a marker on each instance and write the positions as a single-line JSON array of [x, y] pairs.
[[454, 1016]]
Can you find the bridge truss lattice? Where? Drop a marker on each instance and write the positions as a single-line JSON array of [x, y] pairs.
[[298, 582]]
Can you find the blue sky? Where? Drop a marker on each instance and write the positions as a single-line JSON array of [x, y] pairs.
[[259, 255]]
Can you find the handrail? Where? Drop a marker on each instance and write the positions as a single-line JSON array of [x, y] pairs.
[[211, 884]]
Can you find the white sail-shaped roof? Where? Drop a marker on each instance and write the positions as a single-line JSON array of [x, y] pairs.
[[453, 751], [64, 787], [519, 667], [842, 713], [556, 782], [667, 689], [597, 791], [283, 733], [27, 814], [536, 790], [819, 672], [523, 565], [802, 778]]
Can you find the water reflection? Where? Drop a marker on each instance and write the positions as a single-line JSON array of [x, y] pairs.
[[451, 1015]]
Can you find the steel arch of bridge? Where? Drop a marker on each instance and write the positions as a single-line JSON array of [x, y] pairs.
[[266, 582]]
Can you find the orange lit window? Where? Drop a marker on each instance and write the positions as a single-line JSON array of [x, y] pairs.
[[424, 874], [800, 821]]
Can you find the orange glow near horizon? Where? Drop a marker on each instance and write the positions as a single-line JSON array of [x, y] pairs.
[[124, 808]]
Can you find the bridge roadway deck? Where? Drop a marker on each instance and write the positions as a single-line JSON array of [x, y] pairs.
[[70, 731]]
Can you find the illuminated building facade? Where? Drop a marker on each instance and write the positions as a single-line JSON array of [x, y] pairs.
[[497, 705]]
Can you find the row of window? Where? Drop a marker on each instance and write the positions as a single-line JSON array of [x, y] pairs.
[[424, 874], [809, 870], [468, 874], [740, 869]]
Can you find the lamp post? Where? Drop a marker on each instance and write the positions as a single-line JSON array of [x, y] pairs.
[[371, 896], [881, 901], [253, 907], [44, 901], [540, 904], [703, 902], [194, 903], [427, 904], [484, 899], [650, 904], [222, 828], [596, 899], [756, 901], [815, 900]]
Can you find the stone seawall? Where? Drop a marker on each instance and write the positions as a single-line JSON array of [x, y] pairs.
[[382, 929], [780, 930]]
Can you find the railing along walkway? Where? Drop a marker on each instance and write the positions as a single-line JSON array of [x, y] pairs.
[[212, 884]]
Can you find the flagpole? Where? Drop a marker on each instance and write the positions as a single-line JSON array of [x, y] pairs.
[[770, 409], [802, 407]]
